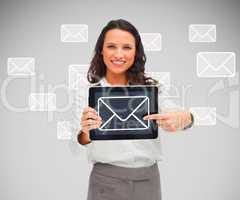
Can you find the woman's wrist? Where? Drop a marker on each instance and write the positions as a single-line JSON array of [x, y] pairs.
[[191, 122], [83, 138]]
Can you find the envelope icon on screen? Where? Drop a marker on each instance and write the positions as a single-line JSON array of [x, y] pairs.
[[204, 116], [202, 33], [42, 101], [123, 112], [74, 33], [216, 64], [152, 41], [21, 66]]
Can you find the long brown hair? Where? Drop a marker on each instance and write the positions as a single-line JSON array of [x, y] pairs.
[[136, 73]]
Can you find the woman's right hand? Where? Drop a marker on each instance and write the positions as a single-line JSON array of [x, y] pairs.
[[90, 120]]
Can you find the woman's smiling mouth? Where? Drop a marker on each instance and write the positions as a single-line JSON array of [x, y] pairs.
[[118, 62]]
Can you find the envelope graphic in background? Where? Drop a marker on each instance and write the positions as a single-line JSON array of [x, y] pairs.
[[129, 116], [216, 64], [202, 33], [74, 33], [64, 130], [42, 101], [151, 41], [162, 77], [21, 66], [204, 116], [77, 76]]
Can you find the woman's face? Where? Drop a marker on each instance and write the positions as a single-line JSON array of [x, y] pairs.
[[118, 51]]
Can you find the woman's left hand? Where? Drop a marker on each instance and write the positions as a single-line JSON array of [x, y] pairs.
[[171, 121]]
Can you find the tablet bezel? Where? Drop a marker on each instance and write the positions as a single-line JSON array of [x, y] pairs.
[[122, 134]]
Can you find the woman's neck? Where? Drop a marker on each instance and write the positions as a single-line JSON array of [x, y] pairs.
[[116, 79]]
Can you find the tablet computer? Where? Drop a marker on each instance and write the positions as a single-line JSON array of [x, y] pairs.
[[122, 110]]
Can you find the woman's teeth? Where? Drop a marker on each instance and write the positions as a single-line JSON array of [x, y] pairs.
[[118, 62]]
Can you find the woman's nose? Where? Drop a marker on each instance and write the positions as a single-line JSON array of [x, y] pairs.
[[118, 53]]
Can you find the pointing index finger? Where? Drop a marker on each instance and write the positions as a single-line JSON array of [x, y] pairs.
[[157, 116]]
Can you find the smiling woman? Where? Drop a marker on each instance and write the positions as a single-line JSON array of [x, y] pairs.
[[118, 53], [124, 169], [119, 49]]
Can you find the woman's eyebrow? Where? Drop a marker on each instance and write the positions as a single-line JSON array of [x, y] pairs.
[[112, 43], [128, 44]]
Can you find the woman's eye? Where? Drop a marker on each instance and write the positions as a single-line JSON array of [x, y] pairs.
[[127, 47], [110, 46]]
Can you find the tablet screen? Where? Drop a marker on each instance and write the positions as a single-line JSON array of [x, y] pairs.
[[122, 110]]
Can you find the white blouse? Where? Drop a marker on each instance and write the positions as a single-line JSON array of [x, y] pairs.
[[124, 153]]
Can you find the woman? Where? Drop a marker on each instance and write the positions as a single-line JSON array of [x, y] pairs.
[[124, 169]]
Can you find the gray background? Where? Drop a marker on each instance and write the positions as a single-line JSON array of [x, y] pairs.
[[201, 163]]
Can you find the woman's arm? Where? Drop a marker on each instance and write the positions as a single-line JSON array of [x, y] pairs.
[[89, 120], [172, 121], [83, 138]]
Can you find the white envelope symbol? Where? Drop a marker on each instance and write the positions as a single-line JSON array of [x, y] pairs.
[[42, 101], [115, 117], [170, 92], [74, 33], [21, 66], [202, 33], [162, 77], [151, 41], [77, 76], [204, 116], [64, 130], [216, 64]]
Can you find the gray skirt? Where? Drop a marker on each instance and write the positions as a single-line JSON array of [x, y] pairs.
[[109, 182]]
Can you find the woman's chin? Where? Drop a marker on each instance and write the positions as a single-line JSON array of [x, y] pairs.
[[117, 71]]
